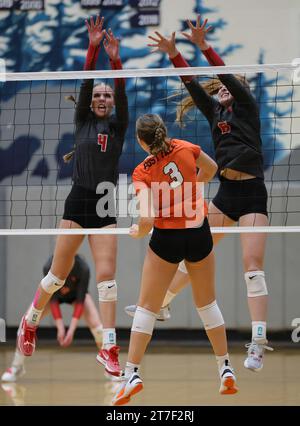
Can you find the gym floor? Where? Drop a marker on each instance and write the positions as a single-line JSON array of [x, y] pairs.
[[173, 376]]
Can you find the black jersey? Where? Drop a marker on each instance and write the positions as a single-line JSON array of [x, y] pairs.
[[76, 285], [235, 130], [96, 161]]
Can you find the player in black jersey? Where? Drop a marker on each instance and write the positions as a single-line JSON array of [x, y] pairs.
[[74, 292], [99, 139], [242, 196]]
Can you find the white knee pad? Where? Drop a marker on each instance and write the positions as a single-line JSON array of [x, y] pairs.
[[107, 291], [50, 283], [256, 284], [211, 315], [143, 321], [182, 267]]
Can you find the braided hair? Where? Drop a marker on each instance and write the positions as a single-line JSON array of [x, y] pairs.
[[152, 130]]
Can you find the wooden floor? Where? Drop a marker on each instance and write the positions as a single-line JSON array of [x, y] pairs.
[[182, 377]]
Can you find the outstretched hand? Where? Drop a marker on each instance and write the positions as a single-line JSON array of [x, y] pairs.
[[111, 45], [164, 44], [68, 338], [61, 334], [96, 33], [198, 33]]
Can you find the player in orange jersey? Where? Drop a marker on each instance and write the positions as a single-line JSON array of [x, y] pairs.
[[167, 186]]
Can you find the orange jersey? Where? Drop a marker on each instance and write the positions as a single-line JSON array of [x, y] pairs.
[[178, 198]]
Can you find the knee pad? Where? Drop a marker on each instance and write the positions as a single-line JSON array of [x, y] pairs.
[[50, 283], [143, 321], [182, 267], [211, 315], [256, 284], [107, 291]]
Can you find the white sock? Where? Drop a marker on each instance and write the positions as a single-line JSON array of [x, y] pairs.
[[131, 368], [33, 316], [168, 298], [259, 331], [18, 359], [109, 337], [221, 360]]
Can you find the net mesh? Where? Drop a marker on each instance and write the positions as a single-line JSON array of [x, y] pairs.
[[37, 129]]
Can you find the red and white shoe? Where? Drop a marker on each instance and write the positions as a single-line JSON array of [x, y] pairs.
[[26, 338], [110, 359]]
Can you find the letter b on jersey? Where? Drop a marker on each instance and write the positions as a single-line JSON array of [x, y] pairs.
[[224, 127]]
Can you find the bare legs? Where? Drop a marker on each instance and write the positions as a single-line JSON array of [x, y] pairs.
[[156, 277]]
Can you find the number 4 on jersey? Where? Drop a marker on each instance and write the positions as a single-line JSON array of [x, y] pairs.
[[102, 141], [172, 170]]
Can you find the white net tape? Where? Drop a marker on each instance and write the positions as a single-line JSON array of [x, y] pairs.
[[149, 72]]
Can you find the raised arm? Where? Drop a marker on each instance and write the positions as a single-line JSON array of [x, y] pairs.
[[112, 47], [201, 99], [96, 34], [198, 37]]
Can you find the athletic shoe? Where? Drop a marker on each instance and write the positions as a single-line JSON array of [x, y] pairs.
[[127, 389], [228, 380], [26, 338], [110, 359], [163, 315], [254, 361], [13, 373]]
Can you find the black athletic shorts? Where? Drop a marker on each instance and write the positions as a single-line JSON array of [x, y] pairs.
[[235, 198], [175, 245], [80, 207]]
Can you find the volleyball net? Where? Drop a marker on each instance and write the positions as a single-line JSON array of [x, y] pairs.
[[37, 130]]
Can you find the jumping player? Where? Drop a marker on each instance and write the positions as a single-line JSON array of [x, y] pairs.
[[242, 195], [99, 140], [74, 292], [171, 167]]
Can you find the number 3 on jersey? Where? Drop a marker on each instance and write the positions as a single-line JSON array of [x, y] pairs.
[[172, 170]]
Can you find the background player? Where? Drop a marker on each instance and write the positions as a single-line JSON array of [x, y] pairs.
[[99, 137], [172, 164], [74, 292]]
